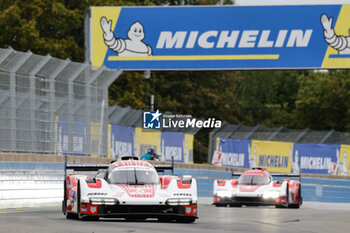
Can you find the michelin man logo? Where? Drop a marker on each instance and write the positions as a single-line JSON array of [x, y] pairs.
[[340, 43], [133, 46]]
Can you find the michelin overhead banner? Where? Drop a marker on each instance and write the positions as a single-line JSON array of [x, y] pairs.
[[232, 153], [220, 37], [122, 141], [317, 158]]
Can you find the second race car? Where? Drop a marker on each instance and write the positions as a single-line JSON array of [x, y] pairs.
[[256, 187]]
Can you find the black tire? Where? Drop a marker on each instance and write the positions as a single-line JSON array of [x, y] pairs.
[[185, 220], [64, 202], [300, 200], [165, 219], [78, 201], [220, 205], [287, 197], [135, 219], [71, 216], [90, 218], [235, 205]]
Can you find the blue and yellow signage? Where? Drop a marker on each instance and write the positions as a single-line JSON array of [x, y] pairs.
[[274, 156], [220, 37]]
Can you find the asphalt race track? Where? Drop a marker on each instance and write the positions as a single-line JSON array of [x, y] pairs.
[[211, 219]]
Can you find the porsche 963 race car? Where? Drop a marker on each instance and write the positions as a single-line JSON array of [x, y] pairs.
[[256, 187], [130, 189]]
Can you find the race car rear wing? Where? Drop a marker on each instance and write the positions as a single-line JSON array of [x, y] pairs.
[[161, 167], [97, 167], [236, 174], [84, 167]]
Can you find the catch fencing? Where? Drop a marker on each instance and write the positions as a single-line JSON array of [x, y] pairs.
[[52, 106]]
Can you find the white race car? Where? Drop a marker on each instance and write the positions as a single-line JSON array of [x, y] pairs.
[[256, 187], [129, 189]]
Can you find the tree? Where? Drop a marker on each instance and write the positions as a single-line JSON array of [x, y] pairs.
[[324, 101]]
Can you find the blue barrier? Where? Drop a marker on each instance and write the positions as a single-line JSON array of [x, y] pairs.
[[31, 166], [313, 189]]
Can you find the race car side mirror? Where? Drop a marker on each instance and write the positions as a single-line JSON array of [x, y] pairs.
[[234, 182], [186, 179]]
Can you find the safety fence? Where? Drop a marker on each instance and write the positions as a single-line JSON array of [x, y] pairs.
[[30, 184], [35, 90]]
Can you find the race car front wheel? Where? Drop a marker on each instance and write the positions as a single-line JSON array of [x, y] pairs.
[[185, 220], [300, 200], [235, 205], [287, 199], [165, 219], [220, 204], [80, 216]]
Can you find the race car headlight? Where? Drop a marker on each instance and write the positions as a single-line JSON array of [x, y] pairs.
[[224, 194], [103, 201], [179, 201], [271, 194]]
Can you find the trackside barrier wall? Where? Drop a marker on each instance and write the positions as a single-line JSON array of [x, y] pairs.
[[287, 157], [30, 184]]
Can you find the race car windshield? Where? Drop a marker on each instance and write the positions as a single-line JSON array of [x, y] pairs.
[[253, 180], [133, 177]]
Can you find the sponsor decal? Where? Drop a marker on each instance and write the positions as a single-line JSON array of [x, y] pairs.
[[93, 209], [182, 194], [97, 194], [225, 37], [273, 161], [144, 191]]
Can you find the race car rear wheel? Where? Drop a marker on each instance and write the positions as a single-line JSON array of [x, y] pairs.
[[235, 205], [185, 220]]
